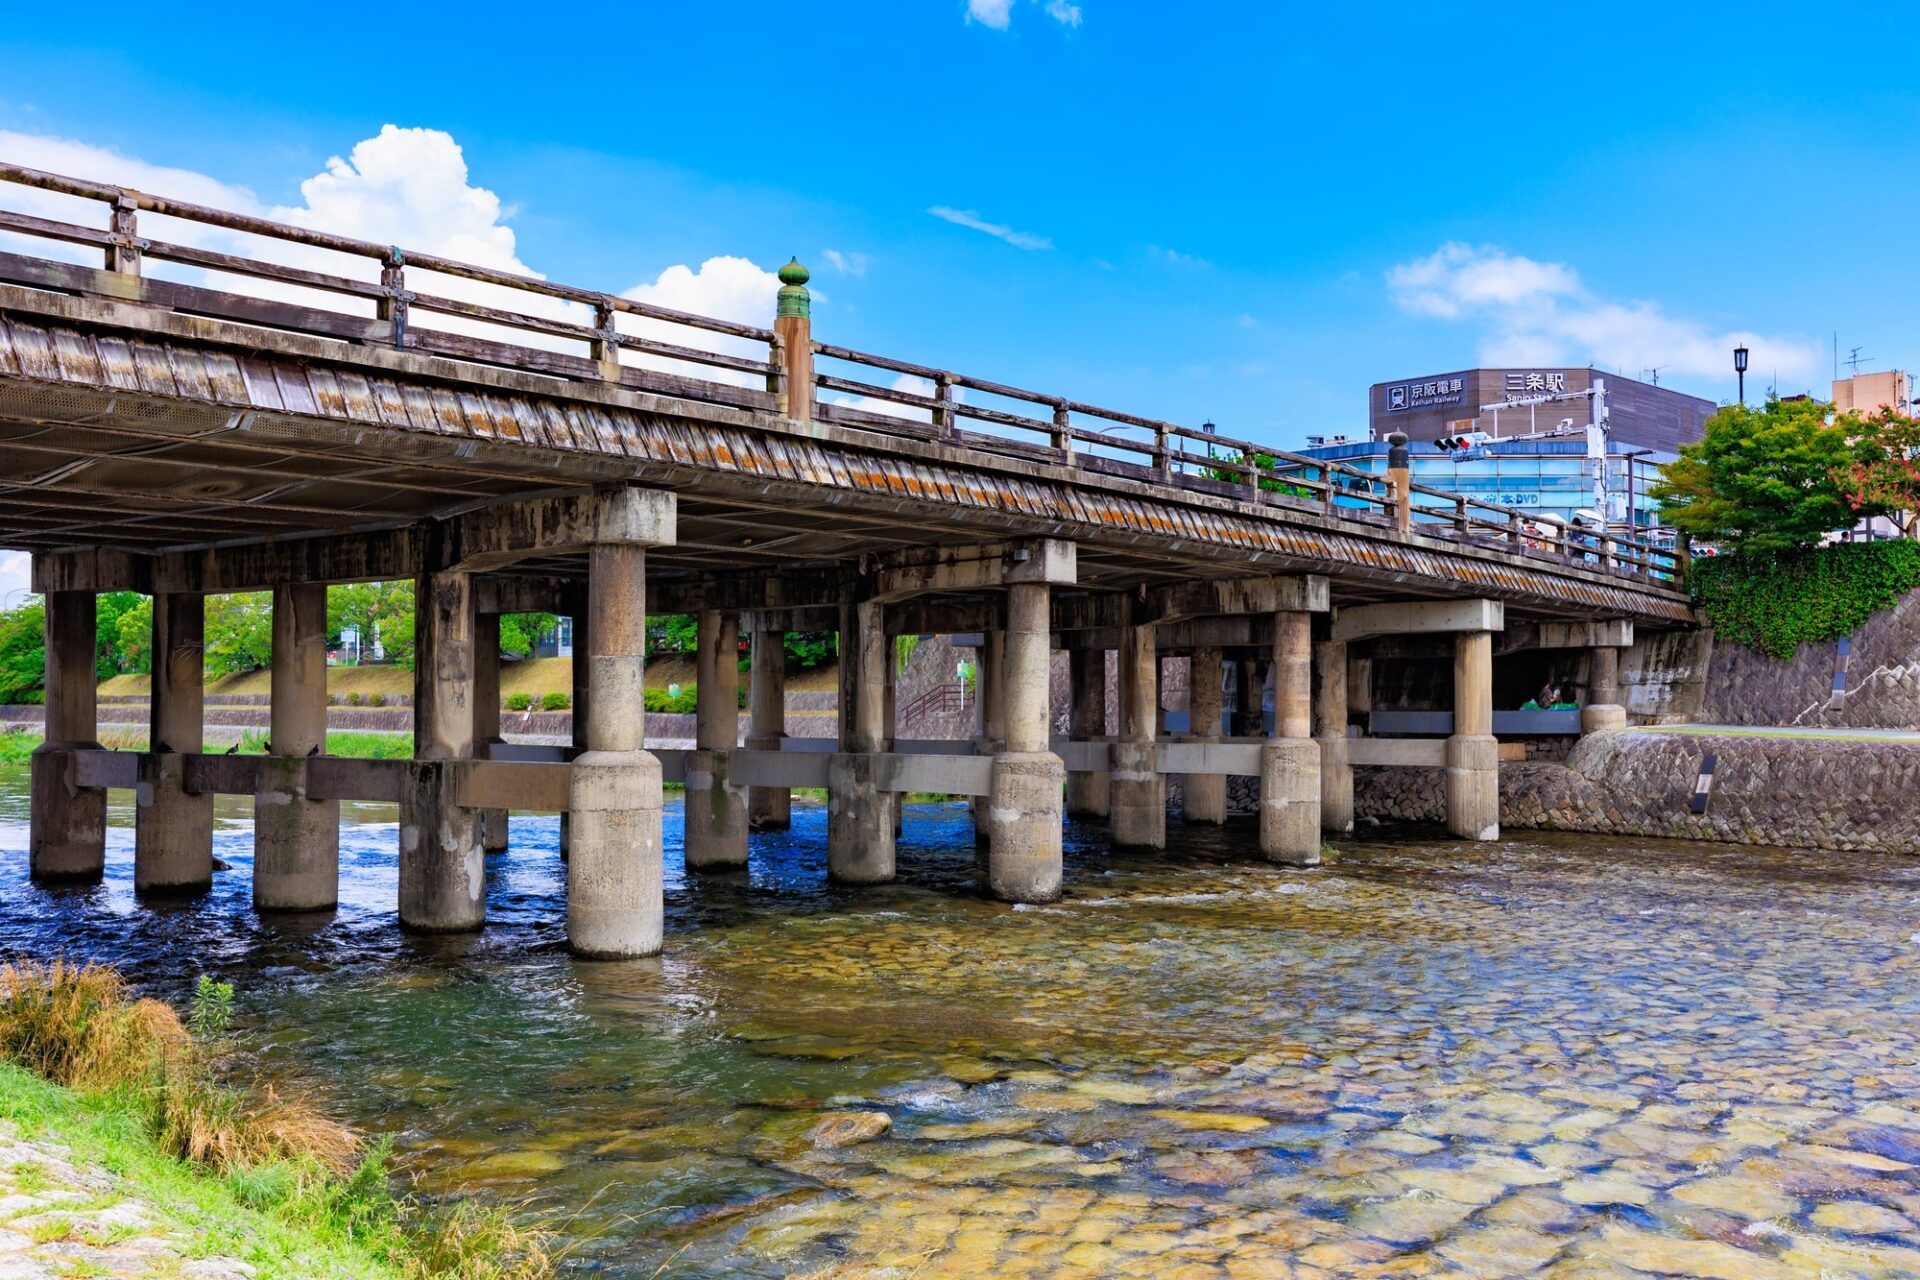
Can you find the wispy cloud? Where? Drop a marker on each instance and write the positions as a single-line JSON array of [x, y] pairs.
[[1067, 15], [998, 14], [1541, 313], [971, 219], [846, 264], [1174, 258]]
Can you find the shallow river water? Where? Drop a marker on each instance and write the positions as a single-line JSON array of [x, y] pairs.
[[1566, 1056]]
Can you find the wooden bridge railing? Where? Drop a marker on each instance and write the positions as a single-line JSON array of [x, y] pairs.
[[363, 292]]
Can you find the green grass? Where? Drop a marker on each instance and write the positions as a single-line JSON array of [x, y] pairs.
[[287, 1237], [358, 744]]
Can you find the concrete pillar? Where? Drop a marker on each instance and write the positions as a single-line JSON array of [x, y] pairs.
[[296, 839], [615, 902], [1088, 794], [486, 717], [67, 840], [990, 684], [1473, 755], [1290, 760], [716, 831], [768, 808], [1139, 818], [1023, 858], [172, 828], [859, 812], [1330, 731], [442, 863], [1603, 710], [1205, 793]]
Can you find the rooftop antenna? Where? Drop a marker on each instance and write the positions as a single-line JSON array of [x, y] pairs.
[[1653, 375], [1855, 359]]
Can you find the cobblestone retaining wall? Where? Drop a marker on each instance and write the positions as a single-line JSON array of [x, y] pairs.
[[1798, 793], [1883, 679]]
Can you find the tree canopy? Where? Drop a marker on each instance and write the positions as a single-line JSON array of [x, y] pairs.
[[1764, 481], [1888, 474]]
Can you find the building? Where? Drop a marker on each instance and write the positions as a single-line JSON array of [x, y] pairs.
[[1641, 414], [1554, 478], [1868, 393]]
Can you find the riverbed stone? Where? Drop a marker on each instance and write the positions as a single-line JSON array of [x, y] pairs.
[[849, 1128]]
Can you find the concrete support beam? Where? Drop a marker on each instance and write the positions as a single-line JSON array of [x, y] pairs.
[[1403, 617], [173, 827], [1330, 731], [1294, 593], [615, 901], [1603, 710], [1205, 794], [442, 863], [1088, 794], [1613, 633], [990, 691], [296, 838], [486, 714], [1473, 754], [1139, 793], [1290, 761], [716, 831], [768, 808], [1023, 859], [67, 840], [859, 810], [921, 570]]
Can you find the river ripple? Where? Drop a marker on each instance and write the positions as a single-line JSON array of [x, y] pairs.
[[1565, 1056]]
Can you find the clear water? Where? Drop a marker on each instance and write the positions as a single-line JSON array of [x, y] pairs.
[[1577, 1056]]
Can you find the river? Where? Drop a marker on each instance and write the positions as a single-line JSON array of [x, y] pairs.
[[1572, 1056]]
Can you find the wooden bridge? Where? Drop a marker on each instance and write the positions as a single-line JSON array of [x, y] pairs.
[[195, 402]]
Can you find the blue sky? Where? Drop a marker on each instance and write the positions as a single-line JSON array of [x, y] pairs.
[[1244, 212]]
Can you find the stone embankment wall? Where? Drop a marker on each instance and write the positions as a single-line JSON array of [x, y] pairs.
[[1792, 792], [1883, 679]]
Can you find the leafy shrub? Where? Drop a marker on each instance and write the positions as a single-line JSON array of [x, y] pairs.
[[555, 702], [1775, 604], [681, 703], [376, 699], [519, 701]]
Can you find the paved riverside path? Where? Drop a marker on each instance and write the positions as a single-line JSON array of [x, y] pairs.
[[1909, 736]]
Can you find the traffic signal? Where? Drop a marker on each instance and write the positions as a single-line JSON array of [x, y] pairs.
[[1451, 443]]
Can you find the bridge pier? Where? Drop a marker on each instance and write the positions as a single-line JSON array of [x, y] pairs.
[[172, 827], [716, 809], [67, 840], [1205, 794], [1603, 710], [486, 717], [1473, 754], [768, 808], [1290, 760], [1139, 792], [1024, 849], [859, 812], [442, 864], [296, 839], [615, 900], [1088, 794], [990, 666], [1330, 731]]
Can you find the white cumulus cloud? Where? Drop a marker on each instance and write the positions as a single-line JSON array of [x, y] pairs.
[[1542, 313], [971, 218], [998, 14]]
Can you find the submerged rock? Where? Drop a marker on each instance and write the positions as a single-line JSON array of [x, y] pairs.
[[849, 1128]]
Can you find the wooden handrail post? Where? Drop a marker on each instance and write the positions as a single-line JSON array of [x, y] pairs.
[[1327, 491], [793, 323], [1682, 556], [605, 348], [1513, 530], [123, 252], [943, 419], [777, 373], [1162, 454], [1062, 432], [392, 306], [1460, 517], [1400, 476]]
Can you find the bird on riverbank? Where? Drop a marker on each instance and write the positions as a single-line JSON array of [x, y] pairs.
[[234, 750]]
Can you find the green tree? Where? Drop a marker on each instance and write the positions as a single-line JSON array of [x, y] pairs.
[[23, 651], [108, 606], [135, 632], [809, 649], [1763, 480], [672, 633], [520, 632], [1233, 474], [1888, 475], [239, 632], [382, 609]]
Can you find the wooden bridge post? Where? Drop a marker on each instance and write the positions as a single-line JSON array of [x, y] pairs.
[[1473, 754], [716, 810], [768, 808], [615, 898], [1290, 760], [1330, 731], [1204, 794], [1139, 792], [486, 717], [990, 667], [172, 827], [1024, 845], [1400, 476], [296, 839], [1088, 794], [67, 840], [859, 811], [442, 863], [793, 323]]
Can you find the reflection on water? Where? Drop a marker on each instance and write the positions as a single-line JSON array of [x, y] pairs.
[[1579, 1056]]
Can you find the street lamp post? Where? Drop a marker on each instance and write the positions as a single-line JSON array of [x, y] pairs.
[[1740, 367]]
